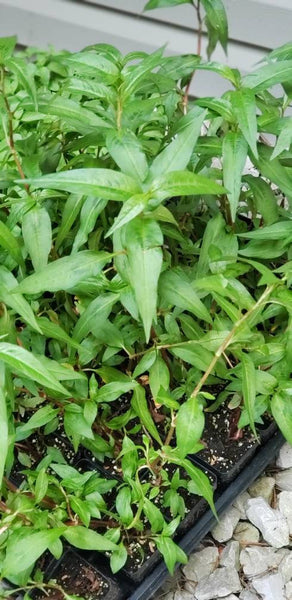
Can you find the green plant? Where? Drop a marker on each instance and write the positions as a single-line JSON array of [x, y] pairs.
[[137, 276]]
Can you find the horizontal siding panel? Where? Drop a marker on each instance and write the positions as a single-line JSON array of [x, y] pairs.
[[265, 23], [73, 25]]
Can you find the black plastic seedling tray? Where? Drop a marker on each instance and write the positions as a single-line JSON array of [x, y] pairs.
[[152, 574]]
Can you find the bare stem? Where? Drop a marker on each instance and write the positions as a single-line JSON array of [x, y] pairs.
[[197, 7], [230, 336], [10, 137]]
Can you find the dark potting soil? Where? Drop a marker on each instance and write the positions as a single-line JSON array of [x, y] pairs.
[[225, 444], [76, 576]]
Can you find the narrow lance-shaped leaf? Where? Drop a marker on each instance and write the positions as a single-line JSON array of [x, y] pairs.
[[264, 199], [87, 539], [269, 75], [24, 73], [96, 312], [10, 243], [216, 15], [71, 211], [133, 77], [17, 557], [130, 209], [7, 45], [143, 241], [281, 407], [75, 116], [189, 426], [139, 404], [249, 388], [177, 154], [37, 236], [183, 183], [175, 289], [244, 108], [105, 183], [127, 152], [16, 301], [234, 159], [3, 424], [64, 273], [273, 170], [90, 210], [25, 363]]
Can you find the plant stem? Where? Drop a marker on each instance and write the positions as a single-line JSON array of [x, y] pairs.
[[10, 138], [197, 7], [230, 336]]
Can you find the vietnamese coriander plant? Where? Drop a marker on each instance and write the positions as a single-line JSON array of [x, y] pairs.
[[145, 246]]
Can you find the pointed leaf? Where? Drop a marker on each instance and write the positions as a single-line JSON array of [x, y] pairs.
[[17, 558], [269, 75], [130, 209], [216, 15], [23, 71], [234, 159], [189, 426], [87, 539], [127, 152], [175, 289], [96, 312], [281, 407], [184, 183], [90, 210], [37, 236], [16, 301], [139, 404], [10, 243], [105, 183], [143, 240], [64, 273], [249, 388], [4, 441], [29, 366], [244, 108]]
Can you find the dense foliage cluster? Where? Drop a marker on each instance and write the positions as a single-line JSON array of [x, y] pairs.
[[145, 247]]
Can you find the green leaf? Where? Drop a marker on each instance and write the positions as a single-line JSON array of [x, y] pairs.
[[277, 231], [177, 154], [264, 198], [244, 108], [273, 170], [281, 407], [41, 417], [87, 539], [127, 152], [95, 65], [29, 366], [153, 515], [70, 213], [216, 15], [75, 116], [105, 183], [201, 481], [16, 301], [118, 558], [176, 290], [54, 331], [194, 354], [10, 243], [24, 548], [7, 45], [170, 552], [189, 426], [24, 73], [249, 388], [140, 407], [234, 159], [64, 273], [143, 241], [96, 313], [158, 376], [130, 209], [145, 363], [37, 236], [41, 485], [4, 440], [164, 3], [113, 390], [81, 509], [90, 210], [184, 183], [133, 76], [123, 505], [269, 75]]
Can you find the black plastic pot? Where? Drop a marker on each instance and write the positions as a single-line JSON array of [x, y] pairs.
[[74, 565]]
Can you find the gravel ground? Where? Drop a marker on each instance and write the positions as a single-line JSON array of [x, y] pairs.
[[248, 555]]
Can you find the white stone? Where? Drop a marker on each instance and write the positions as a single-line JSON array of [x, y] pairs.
[[285, 567], [288, 590], [270, 587], [240, 504], [284, 480], [256, 560], [284, 460], [285, 507], [222, 582], [263, 487], [230, 555], [271, 523], [201, 564], [248, 595], [183, 595], [223, 531], [246, 533]]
